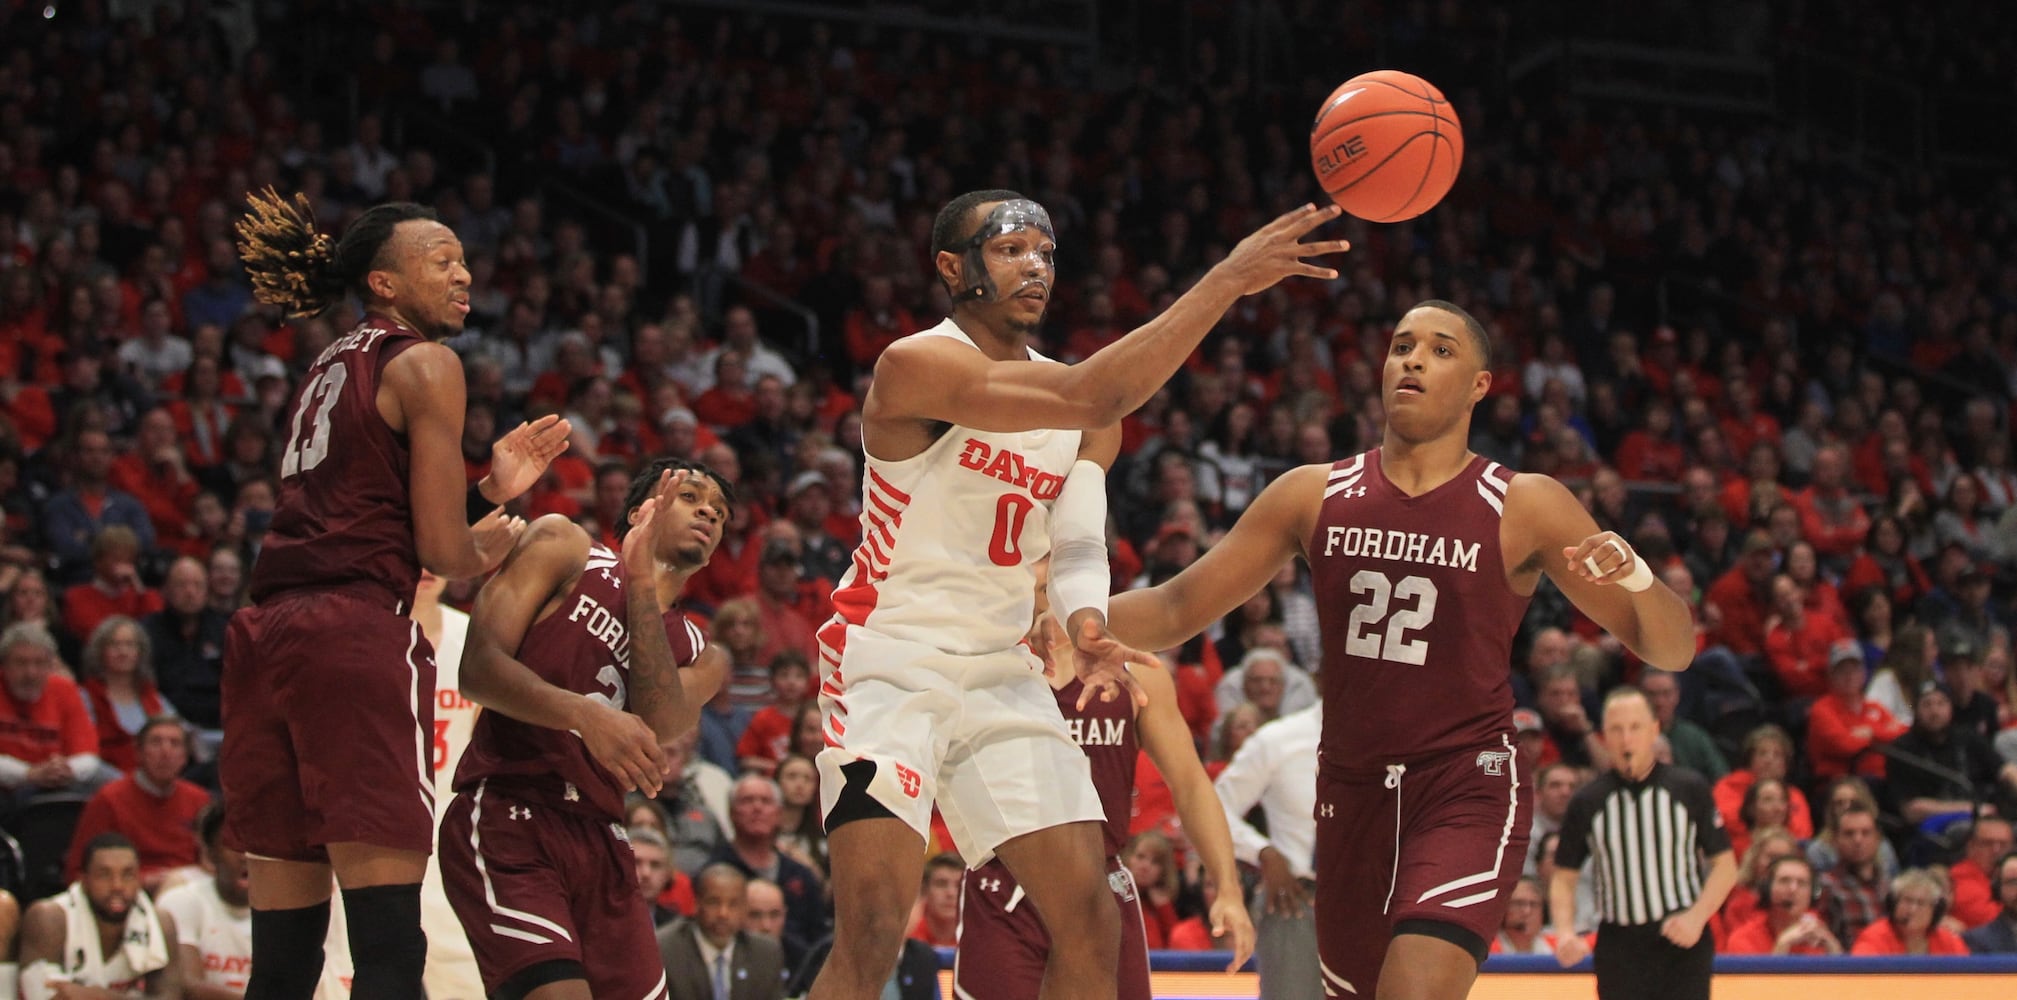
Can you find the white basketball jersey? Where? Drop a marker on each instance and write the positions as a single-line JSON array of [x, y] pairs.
[[221, 934], [950, 535], [451, 966]]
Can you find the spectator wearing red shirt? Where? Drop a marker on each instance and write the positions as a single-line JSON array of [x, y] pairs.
[[877, 323], [730, 402], [1195, 933], [1752, 497], [47, 742], [155, 473], [1151, 860], [1844, 723], [1817, 595], [1745, 426], [785, 626], [1911, 924], [1975, 903], [114, 587], [767, 738], [1651, 452], [1798, 644], [1787, 924], [154, 807], [1885, 562], [1830, 516], [937, 909], [1768, 753], [1741, 596], [119, 689]]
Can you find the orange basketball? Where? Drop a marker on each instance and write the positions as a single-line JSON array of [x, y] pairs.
[[1386, 146]]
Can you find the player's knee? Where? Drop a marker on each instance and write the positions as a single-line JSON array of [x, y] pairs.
[[1087, 923], [387, 945], [287, 951]]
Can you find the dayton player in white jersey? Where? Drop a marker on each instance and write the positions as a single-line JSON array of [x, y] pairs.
[[982, 458]]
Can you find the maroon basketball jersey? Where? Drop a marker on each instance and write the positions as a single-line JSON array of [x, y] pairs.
[[1105, 730], [344, 516], [1418, 621], [584, 647]]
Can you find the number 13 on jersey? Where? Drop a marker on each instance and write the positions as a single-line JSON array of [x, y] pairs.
[[1363, 637], [318, 397]]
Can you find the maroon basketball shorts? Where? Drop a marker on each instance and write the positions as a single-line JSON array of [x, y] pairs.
[[328, 722], [1436, 844], [535, 884], [1003, 944]]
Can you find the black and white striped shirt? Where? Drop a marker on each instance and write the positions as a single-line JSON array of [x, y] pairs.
[[1650, 838]]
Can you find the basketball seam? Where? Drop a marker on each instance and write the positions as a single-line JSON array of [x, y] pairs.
[[1375, 168], [1335, 129], [1427, 169], [1404, 90]]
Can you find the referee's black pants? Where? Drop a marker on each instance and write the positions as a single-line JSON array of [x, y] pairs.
[[1636, 963]]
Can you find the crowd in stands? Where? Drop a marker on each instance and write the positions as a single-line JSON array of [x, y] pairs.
[[1816, 451]]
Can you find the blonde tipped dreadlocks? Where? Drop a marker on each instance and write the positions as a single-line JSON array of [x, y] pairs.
[[291, 264]]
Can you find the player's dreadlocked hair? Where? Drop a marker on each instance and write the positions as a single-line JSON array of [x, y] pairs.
[[647, 479], [304, 271]]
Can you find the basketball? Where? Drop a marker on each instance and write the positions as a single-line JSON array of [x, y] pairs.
[[1386, 146]]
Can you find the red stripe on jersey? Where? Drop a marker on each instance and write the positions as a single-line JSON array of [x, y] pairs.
[[883, 484], [880, 527]]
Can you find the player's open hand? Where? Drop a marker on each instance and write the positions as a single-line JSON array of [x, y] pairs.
[[1233, 928], [1571, 949], [1276, 251], [521, 456], [623, 744], [638, 557], [495, 536], [1101, 662]]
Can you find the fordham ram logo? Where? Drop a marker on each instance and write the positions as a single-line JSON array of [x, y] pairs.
[[1494, 761]]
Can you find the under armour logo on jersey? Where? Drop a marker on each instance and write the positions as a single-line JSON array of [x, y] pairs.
[[1353, 492], [990, 885], [910, 780], [519, 812], [1345, 479], [1325, 810], [1494, 761]]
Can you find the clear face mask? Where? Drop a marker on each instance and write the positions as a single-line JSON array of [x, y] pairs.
[[1007, 218]]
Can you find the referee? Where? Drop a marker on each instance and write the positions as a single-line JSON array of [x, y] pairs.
[[1649, 826]]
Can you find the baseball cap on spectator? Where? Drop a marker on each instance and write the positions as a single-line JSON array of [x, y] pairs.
[[804, 481], [1526, 720], [1759, 540], [1957, 647], [1845, 651], [1930, 687], [678, 415]]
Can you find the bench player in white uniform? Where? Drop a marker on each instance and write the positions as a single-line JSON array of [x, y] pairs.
[[982, 458]]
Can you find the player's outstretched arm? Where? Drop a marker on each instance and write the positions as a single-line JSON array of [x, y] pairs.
[[426, 385], [934, 378], [1553, 534], [1268, 535], [552, 553], [1168, 740]]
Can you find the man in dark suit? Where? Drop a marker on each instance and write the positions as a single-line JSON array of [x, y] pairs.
[[752, 850], [1999, 936], [710, 957]]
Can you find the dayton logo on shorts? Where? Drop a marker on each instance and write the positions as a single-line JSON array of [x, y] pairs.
[[909, 779], [1494, 761]]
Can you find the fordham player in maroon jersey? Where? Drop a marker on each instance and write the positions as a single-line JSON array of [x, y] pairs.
[[1003, 944], [575, 652], [327, 725], [1424, 556]]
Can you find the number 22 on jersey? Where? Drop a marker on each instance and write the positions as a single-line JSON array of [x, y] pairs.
[[308, 446], [1363, 638]]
